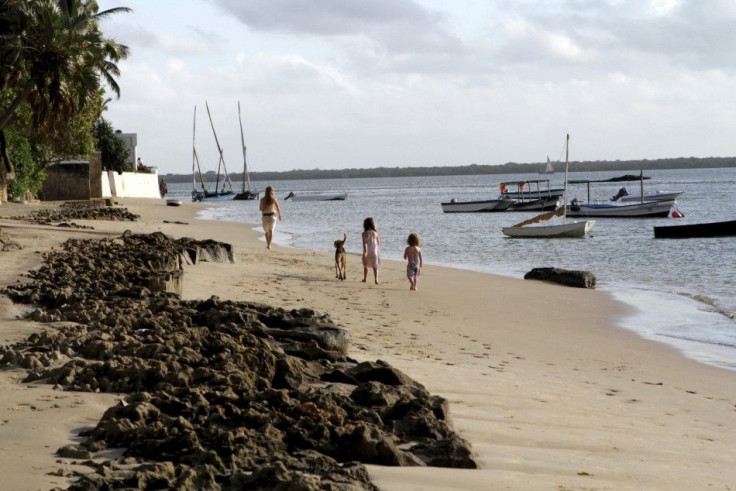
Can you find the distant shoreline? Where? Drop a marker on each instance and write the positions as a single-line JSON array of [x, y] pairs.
[[473, 169]]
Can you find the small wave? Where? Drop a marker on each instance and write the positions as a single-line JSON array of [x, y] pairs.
[[710, 302], [697, 340]]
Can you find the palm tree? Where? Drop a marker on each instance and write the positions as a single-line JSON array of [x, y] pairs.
[[54, 59]]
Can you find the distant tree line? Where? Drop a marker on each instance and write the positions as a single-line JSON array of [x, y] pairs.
[[473, 169]]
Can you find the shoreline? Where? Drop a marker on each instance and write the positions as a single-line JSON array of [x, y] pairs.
[[540, 380], [640, 319]]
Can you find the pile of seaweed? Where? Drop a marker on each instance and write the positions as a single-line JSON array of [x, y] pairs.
[[63, 215], [219, 394]]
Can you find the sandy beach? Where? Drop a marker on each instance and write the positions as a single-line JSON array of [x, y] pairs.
[[544, 385]]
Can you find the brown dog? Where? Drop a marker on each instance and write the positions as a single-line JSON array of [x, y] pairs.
[[341, 258]]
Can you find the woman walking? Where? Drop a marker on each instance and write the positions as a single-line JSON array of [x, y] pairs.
[[270, 209]]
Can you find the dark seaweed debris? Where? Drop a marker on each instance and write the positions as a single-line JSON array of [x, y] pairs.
[[221, 394]]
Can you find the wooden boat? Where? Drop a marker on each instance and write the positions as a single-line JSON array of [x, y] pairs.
[[247, 192], [694, 230], [199, 190], [526, 229], [483, 206], [173, 202], [317, 197], [648, 209], [531, 196]]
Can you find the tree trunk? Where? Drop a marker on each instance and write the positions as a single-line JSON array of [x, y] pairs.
[[6, 168]]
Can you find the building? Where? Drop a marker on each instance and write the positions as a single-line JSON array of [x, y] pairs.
[[131, 141]]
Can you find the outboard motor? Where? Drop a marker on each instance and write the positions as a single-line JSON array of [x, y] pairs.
[[621, 193]]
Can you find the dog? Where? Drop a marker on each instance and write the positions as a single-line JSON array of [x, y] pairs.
[[341, 258]]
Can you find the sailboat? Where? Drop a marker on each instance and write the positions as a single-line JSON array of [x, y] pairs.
[[223, 185], [561, 230], [549, 169], [246, 193]]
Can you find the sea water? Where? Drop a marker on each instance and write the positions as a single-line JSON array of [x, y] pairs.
[[682, 290]]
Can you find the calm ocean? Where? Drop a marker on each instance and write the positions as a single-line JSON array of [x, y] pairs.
[[683, 290]]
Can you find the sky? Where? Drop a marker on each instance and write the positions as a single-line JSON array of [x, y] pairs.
[[334, 84]]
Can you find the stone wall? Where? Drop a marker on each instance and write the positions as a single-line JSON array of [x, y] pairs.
[[67, 181]]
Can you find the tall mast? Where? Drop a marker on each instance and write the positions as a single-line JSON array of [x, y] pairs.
[[246, 176], [195, 158], [567, 160]]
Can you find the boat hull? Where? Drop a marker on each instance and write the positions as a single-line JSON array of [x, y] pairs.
[[208, 195], [652, 209], [657, 196], [562, 230], [484, 206], [318, 197], [533, 194], [696, 230], [246, 195], [542, 204]]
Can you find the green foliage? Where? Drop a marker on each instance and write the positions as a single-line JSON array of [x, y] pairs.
[[114, 151], [53, 61], [29, 171]]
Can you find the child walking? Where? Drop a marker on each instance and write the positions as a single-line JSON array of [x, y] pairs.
[[413, 256], [371, 249]]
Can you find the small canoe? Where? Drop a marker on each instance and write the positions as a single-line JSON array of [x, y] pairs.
[[317, 197], [173, 202], [695, 230]]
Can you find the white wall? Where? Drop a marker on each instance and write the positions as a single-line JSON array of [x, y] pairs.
[[130, 185]]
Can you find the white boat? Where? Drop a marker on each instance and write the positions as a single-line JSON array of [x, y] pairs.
[[566, 229], [550, 168], [482, 206], [317, 196], [648, 209], [623, 195], [248, 193], [554, 231]]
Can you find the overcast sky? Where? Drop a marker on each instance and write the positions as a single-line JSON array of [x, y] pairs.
[[327, 84]]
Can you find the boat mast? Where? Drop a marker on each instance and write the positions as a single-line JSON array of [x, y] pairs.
[[195, 157], [221, 163], [246, 176], [564, 193]]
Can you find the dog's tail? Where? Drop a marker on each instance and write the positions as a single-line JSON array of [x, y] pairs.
[[344, 238]]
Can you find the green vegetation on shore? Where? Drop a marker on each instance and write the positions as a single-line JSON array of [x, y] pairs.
[[473, 169]]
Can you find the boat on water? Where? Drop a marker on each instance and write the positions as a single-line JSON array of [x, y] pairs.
[[623, 195], [223, 185], [248, 192], [613, 209], [696, 230], [565, 229], [530, 195], [549, 168], [481, 206], [339, 196], [648, 209]]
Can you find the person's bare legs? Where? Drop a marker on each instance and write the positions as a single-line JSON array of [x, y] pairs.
[[269, 236], [365, 273], [375, 275]]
